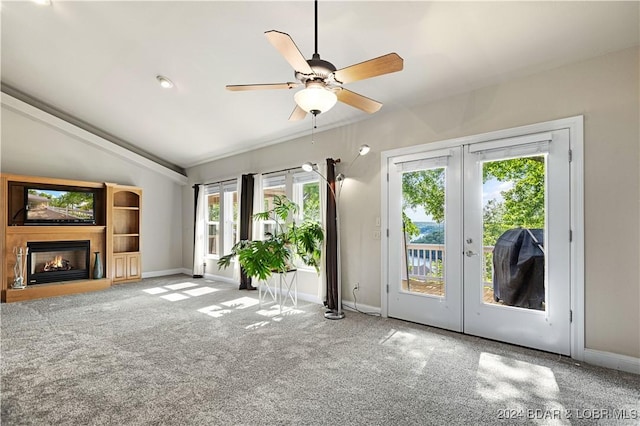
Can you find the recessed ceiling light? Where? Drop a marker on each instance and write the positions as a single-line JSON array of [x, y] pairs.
[[42, 2], [164, 82]]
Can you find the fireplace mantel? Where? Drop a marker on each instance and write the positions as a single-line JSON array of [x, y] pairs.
[[17, 234]]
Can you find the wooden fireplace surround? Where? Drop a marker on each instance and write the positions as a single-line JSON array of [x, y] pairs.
[[17, 234]]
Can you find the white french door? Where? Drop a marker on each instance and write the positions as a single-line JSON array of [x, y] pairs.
[[479, 239], [437, 300]]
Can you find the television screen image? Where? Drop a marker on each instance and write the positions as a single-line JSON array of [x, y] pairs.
[[64, 206]]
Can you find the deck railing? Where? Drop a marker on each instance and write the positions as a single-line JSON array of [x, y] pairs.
[[425, 262]]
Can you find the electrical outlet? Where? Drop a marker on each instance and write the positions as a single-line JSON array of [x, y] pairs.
[[357, 286], [376, 234]]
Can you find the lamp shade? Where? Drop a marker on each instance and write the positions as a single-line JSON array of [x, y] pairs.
[[308, 167], [315, 99]]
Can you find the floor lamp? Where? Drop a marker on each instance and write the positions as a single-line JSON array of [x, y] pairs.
[[310, 167]]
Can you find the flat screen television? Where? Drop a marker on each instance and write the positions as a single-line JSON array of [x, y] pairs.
[[51, 206]]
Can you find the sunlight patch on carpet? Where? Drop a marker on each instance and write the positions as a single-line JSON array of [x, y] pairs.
[[514, 383], [180, 286], [241, 303], [215, 311], [274, 311], [195, 292], [174, 297], [410, 348], [156, 290]]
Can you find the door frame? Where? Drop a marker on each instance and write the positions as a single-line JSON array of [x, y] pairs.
[[575, 125]]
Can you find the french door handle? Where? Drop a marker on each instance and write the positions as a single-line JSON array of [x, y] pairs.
[[470, 253]]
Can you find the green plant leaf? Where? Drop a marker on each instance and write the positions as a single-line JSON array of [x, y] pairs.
[[261, 258]]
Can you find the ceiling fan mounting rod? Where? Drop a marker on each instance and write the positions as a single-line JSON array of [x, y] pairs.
[[316, 26]]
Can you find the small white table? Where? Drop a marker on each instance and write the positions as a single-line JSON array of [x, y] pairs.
[[281, 287]]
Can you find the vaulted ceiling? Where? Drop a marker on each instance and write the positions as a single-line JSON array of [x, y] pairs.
[[98, 61]]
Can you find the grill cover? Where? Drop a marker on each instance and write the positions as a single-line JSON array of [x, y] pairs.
[[518, 269]]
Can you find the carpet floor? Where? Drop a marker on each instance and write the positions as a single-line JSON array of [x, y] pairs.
[[179, 351]]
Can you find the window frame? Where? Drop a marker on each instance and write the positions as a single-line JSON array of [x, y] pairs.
[[225, 191], [293, 182]]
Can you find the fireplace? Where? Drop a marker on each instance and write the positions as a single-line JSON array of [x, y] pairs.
[[53, 261]]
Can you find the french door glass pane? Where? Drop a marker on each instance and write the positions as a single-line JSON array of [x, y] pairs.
[[423, 216], [514, 200]]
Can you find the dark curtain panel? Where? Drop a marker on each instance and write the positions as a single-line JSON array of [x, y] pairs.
[[196, 192], [246, 222], [331, 239]]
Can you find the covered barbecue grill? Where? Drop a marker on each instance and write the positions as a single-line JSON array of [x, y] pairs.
[[518, 268]]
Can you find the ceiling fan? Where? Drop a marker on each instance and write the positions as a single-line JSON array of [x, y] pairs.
[[323, 83]]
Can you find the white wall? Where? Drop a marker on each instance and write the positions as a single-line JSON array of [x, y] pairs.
[[605, 90], [30, 146]]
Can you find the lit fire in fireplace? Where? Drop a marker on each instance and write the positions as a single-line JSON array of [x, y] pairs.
[[57, 264]]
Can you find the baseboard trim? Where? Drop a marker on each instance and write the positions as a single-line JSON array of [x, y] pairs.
[[348, 304], [312, 298], [154, 274], [220, 278], [610, 360]]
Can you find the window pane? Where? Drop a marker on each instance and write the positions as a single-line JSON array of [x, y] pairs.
[[310, 205], [423, 214], [213, 218], [306, 193], [270, 193], [268, 227], [273, 186], [213, 238], [214, 207], [514, 202], [230, 219]]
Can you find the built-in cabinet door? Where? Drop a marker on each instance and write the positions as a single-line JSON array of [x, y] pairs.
[[133, 266], [119, 267], [126, 267]]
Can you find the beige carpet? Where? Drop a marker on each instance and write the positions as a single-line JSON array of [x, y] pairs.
[[178, 351]]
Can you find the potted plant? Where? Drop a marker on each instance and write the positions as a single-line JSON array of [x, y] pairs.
[[275, 254]]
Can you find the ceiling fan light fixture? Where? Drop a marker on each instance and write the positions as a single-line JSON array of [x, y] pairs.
[[315, 99]]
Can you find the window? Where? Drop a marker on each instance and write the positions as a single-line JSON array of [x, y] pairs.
[[213, 221], [306, 193], [272, 186], [222, 217], [230, 204], [303, 188]]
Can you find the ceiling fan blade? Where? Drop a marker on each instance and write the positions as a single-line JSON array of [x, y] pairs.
[[243, 87], [372, 68], [287, 48], [297, 114], [358, 101]]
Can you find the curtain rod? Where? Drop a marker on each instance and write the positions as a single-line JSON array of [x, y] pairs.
[[215, 183], [280, 171], [266, 173]]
